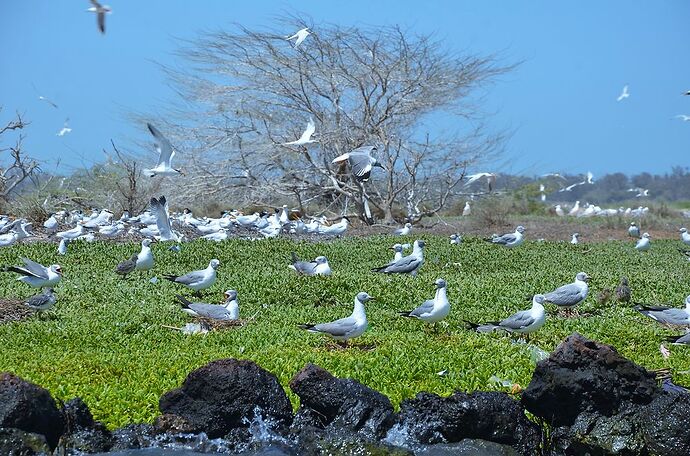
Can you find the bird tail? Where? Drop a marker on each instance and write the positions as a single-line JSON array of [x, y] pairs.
[[183, 301], [170, 277], [471, 325], [406, 314], [13, 269], [673, 338], [306, 326], [379, 269]]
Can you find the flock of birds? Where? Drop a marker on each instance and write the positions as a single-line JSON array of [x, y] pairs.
[[525, 322]]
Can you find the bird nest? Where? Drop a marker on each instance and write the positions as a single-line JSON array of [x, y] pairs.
[[13, 310], [219, 325]]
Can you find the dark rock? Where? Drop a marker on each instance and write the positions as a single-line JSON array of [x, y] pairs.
[[600, 435], [226, 394], [318, 442], [340, 404], [666, 425], [492, 416], [583, 375], [468, 447], [82, 432], [133, 437], [174, 424], [16, 442], [30, 408]]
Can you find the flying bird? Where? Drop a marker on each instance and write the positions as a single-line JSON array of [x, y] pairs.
[[306, 136], [301, 35], [684, 117], [42, 98], [159, 208], [490, 179], [360, 161], [640, 191], [588, 180], [65, 129], [101, 11], [165, 155], [625, 94]]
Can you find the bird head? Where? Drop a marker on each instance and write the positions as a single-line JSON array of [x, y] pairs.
[[146, 242], [214, 263], [56, 269], [582, 276], [419, 243], [538, 299], [520, 229], [321, 260], [397, 248], [363, 297], [440, 283], [230, 295], [683, 230]]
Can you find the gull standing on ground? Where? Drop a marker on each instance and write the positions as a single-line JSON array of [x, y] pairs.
[[126, 267], [409, 264], [145, 260], [404, 231], [360, 161], [100, 11], [197, 280], [230, 310], [319, 266], [43, 301], [624, 94], [644, 243], [51, 224], [455, 239], [165, 155], [570, 295], [667, 315], [523, 322], [35, 274], [510, 240], [575, 238], [345, 328], [634, 230], [301, 35], [306, 136], [432, 310], [398, 249], [467, 210], [685, 236], [159, 207], [559, 210], [62, 247]]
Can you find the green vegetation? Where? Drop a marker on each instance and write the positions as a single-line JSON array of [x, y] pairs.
[[105, 343]]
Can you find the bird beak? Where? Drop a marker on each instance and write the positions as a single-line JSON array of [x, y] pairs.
[[371, 298]]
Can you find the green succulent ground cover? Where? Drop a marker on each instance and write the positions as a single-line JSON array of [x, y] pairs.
[[105, 343]]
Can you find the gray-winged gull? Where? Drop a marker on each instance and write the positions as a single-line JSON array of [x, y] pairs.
[[510, 239], [348, 328], [230, 310], [409, 264], [523, 322], [35, 274], [197, 280], [360, 161], [570, 295], [43, 301], [319, 266], [667, 315], [432, 310]]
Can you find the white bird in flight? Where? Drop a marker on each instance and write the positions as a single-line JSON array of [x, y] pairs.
[[624, 94], [301, 35], [306, 136], [490, 179], [684, 117], [159, 207], [65, 129], [588, 180], [100, 11], [166, 154], [42, 98]]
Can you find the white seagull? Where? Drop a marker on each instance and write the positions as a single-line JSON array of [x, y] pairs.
[[65, 129], [319, 266], [301, 35], [570, 295], [624, 94], [510, 240], [62, 247], [159, 207], [644, 243], [684, 117], [432, 310], [229, 310], [306, 136], [685, 236], [165, 155], [667, 315], [523, 322], [360, 161], [145, 257], [404, 231], [348, 328], [101, 11], [51, 224], [575, 238], [197, 280], [35, 274], [409, 264]]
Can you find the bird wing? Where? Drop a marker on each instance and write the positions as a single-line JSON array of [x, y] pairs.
[[669, 316], [38, 300], [567, 295], [341, 158], [505, 239], [337, 328], [163, 146], [311, 128], [215, 311], [519, 320], [473, 177], [425, 308], [125, 267], [360, 162], [305, 267], [36, 269], [96, 4], [159, 208], [190, 278], [405, 264]]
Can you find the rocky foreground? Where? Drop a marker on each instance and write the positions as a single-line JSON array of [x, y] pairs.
[[585, 398]]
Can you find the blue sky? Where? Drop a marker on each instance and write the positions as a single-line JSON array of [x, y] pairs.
[[560, 103]]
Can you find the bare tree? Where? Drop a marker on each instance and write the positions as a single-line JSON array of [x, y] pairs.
[[19, 167], [253, 91]]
